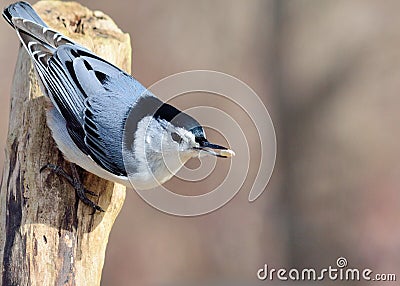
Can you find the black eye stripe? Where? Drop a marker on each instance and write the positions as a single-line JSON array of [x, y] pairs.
[[176, 137]]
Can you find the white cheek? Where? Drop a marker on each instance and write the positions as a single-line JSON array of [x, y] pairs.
[[148, 139]]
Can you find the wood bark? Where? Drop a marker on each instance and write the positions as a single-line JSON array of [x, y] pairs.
[[48, 237]]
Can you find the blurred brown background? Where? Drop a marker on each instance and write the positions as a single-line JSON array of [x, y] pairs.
[[329, 73]]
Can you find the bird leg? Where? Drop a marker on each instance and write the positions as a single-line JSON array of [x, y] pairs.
[[75, 182]]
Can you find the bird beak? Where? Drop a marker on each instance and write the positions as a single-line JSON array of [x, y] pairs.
[[216, 150]]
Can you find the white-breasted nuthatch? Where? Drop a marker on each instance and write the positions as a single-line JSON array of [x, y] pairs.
[[94, 103]]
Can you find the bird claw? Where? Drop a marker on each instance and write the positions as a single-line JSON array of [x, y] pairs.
[[75, 182]]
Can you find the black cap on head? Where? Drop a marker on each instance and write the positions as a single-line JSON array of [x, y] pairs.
[[152, 106], [180, 119]]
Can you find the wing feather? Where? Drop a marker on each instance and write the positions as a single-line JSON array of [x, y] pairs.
[[96, 90]]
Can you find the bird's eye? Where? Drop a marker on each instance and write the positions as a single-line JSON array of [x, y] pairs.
[[176, 137]]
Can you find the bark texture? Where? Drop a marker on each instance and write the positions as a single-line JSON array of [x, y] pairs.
[[47, 237]]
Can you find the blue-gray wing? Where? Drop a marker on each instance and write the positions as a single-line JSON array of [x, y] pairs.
[[95, 98]]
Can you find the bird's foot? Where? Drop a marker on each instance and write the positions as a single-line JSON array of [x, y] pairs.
[[76, 183]]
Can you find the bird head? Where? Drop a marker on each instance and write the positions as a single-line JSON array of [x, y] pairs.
[[167, 138]]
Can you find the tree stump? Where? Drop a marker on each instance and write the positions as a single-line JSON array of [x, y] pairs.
[[48, 237]]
